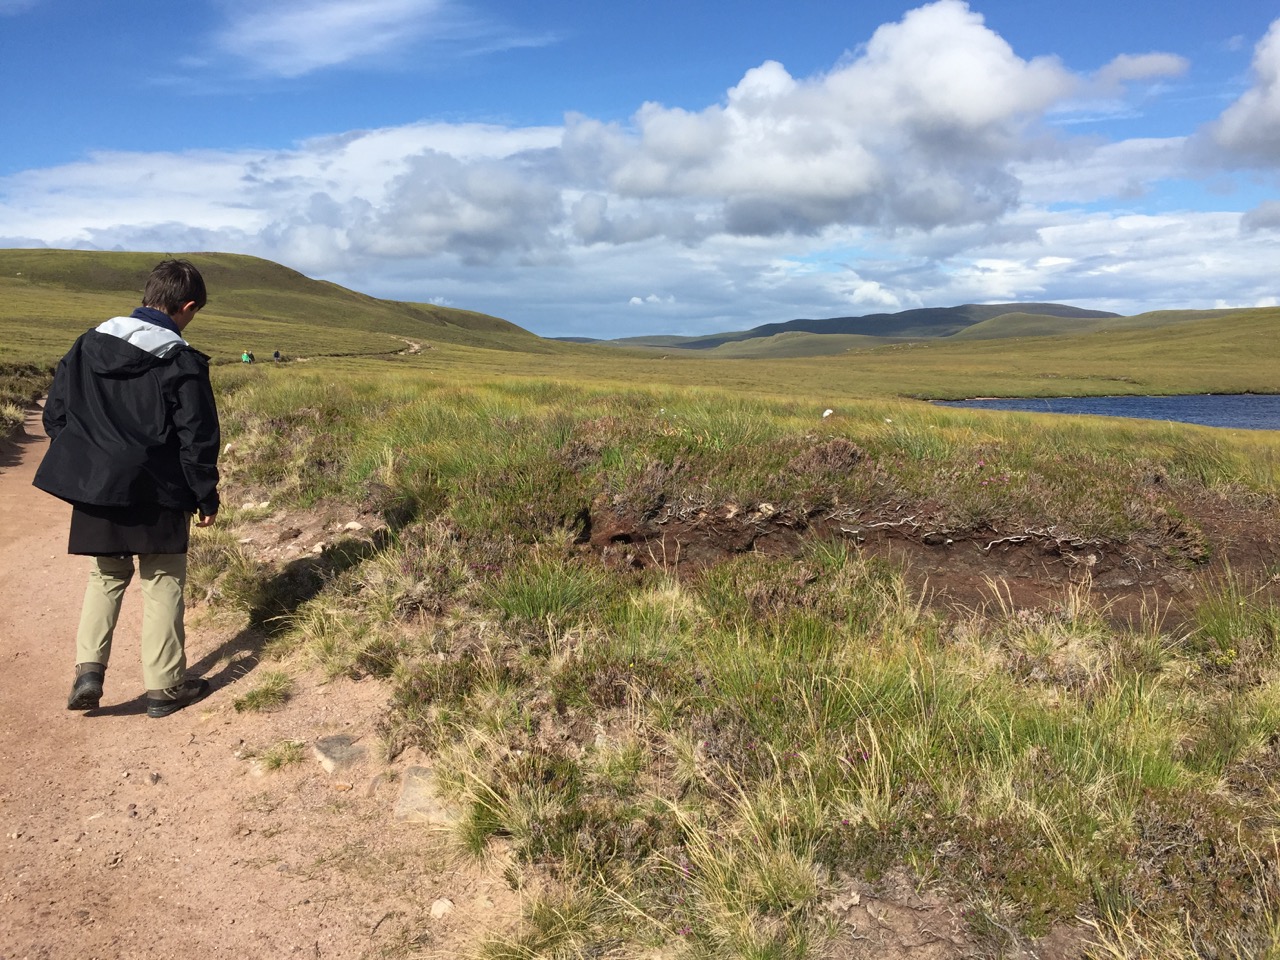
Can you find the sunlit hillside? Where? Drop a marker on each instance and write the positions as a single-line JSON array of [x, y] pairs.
[[49, 297]]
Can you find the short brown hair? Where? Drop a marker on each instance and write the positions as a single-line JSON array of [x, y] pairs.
[[172, 285]]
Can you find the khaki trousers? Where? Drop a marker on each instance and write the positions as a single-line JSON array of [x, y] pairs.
[[164, 577]]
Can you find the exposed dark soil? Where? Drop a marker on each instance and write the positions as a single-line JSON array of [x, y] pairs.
[[972, 568]]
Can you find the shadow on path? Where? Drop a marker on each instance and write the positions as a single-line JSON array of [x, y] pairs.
[[278, 597], [13, 447]]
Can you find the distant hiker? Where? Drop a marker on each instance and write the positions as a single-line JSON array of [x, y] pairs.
[[134, 450], [244, 357], [276, 356]]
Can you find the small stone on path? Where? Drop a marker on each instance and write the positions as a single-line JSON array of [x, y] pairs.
[[419, 801], [339, 752]]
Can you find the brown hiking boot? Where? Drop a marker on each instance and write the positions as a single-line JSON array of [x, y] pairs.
[[161, 703]]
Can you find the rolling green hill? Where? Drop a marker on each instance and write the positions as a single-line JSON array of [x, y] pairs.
[[1236, 352], [968, 323], [796, 343], [1039, 325], [1027, 325], [923, 323], [49, 297]]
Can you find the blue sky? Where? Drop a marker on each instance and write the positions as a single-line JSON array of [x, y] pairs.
[[618, 169]]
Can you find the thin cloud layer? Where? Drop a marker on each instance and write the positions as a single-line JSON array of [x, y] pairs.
[[921, 169], [1127, 68], [290, 38]]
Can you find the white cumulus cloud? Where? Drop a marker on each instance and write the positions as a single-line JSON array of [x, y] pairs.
[[1248, 132], [918, 129]]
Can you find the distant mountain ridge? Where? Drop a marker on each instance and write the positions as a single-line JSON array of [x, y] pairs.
[[920, 323]]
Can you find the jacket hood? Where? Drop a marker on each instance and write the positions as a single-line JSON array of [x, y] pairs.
[[127, 346]]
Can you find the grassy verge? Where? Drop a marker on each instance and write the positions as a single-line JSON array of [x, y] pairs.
[[21, 384], [702, 759], [517, 458]]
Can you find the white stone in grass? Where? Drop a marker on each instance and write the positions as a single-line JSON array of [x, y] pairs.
[[318, 547], [827, 413], [353, 526]]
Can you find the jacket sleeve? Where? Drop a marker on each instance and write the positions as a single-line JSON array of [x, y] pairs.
[[195, 417], [55, 405]]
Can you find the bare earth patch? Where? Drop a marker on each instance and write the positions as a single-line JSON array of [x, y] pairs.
[[1030, 567]]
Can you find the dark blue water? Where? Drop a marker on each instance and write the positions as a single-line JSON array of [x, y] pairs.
[[1241, 411]]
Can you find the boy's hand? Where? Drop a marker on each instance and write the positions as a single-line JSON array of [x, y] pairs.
[[206, 521]]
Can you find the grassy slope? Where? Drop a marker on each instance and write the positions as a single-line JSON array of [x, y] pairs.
[[1237, 353], [796, 344], [49, 297], [1029, 325], [919, 323]]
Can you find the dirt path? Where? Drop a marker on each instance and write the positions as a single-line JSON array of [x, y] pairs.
[[129, 837]]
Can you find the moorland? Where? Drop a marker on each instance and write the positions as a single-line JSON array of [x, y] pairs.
[[702, 658]]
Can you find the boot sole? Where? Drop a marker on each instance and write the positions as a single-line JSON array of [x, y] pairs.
[[87, 697]]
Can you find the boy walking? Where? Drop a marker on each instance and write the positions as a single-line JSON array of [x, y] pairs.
[[134, 450]]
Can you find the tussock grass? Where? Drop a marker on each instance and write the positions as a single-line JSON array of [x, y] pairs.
[[21, 384], [548, 592], [273, 690], [699, 759], [11, 417], [286, 753]]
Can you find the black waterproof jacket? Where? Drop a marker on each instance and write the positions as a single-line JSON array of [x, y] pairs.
[[132, 418]]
